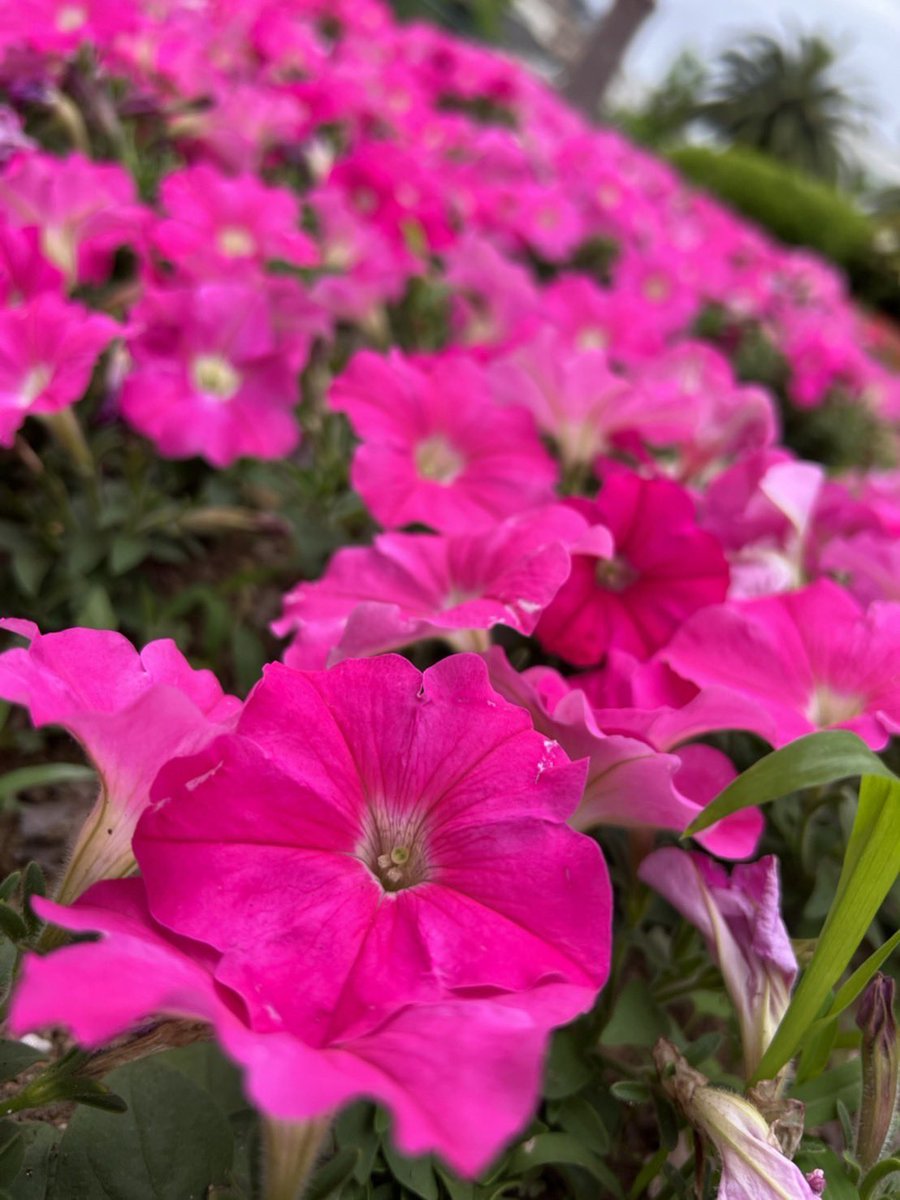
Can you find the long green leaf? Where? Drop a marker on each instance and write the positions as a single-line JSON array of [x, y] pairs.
[[810, 761], [871, 866]]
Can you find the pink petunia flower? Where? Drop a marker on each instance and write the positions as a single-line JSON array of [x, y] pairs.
[[24, 271], [372, 837], [811, 659], [633, 781], [663, 569], [740, 919], [216, 225], [84, 210], [407, 587], [48, 348], [215, 368], [435, 450], [130, 711], [471, 1066]]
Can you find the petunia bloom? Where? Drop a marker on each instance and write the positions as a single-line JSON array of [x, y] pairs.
[[216, 225], [131, 712], [215, 368], [663, 569], [435, 450], [811, 659], [48, 348], [407, 587], [372, 836], [634, 781], [460, 1075], [740, 919]]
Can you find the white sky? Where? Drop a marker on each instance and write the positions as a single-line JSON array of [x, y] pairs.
[[867, 31]]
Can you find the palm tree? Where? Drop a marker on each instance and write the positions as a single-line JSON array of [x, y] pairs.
[[607, 41], [785, 101]]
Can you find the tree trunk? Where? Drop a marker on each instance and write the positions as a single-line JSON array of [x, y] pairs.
[[592, 74]]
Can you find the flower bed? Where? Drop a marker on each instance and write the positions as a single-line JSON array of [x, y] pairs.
[[566, 498]]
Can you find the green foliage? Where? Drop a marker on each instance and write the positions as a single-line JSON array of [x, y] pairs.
[[786, 101], [798, 209]]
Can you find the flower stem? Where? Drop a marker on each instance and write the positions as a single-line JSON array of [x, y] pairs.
[[290, 1150]]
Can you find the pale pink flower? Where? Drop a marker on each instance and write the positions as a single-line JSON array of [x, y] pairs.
[[130, 711], [407, 587], [215, 368], [48, 348], [435, 450], [811, 659], [84, 210], [740, 919], [632, 782], [217, 225], [753, 1165]]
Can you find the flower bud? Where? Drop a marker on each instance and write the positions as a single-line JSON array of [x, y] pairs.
[[875, 1017]]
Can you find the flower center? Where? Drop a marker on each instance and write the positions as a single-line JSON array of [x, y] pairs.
[[215, 376], [34, 383], [235, 242], [436, 459], [393, 850], [615, 574], [592, 337], [70, 17], [829, 707]]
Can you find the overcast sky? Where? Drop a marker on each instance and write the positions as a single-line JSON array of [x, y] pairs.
[[868, 31]]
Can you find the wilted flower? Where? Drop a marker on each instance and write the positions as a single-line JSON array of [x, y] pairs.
[[753, 1166], [740, 920]]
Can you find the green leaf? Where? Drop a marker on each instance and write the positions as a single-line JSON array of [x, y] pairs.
[[549, 1149], [12, 1152], [820, 1095], [416, 1174], [41, 1141], [810, 761], [16, 1057], [96, 610], [126, 552], [173, 1143], [567, 1070], [331, 1177], [42, 775], [871, 866], [11, 924], [636, 1019]]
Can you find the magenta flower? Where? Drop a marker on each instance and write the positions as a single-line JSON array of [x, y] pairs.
[[217, 225], [811, 659], [435, 450], [84, 210], [24, 271], [413, 586], [215, 368], [130, 711], [663, 569], [740, 919], [632, 782], [411, 817], [48, 348], [460, 1075]]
